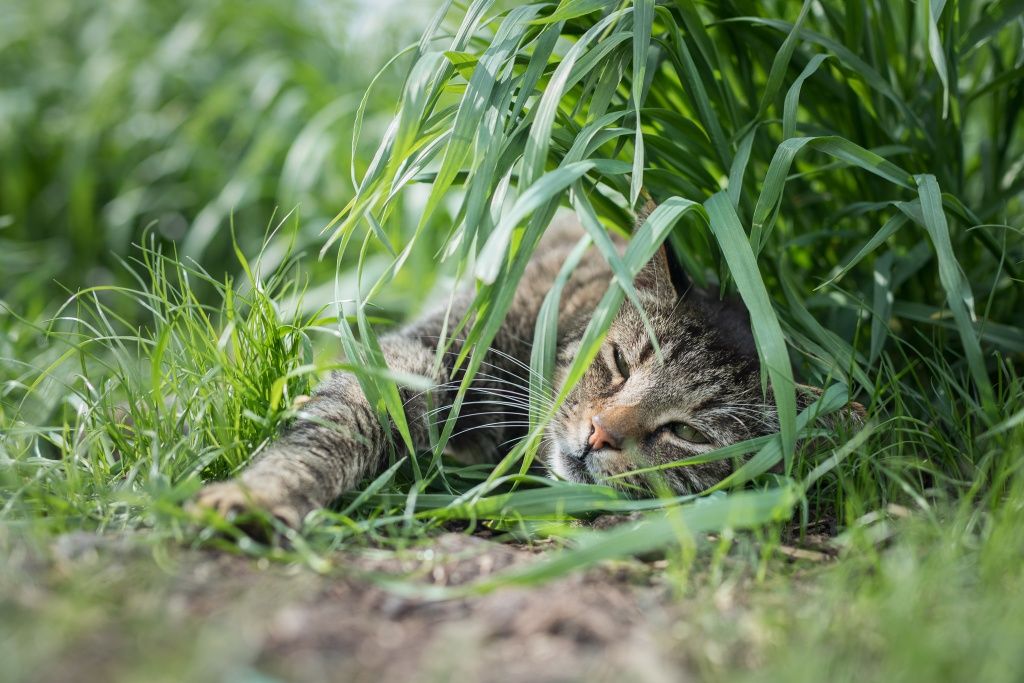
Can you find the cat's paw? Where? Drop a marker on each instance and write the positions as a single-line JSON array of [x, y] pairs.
[[232, 500]]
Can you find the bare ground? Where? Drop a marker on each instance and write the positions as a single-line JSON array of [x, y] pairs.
[[92, 608]]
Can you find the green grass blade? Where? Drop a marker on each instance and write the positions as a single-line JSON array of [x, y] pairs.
[[958, 290], [539, 193], [643, 20], [793, 96], [737, 511], [781, 63], [771, 344], [836, 147]]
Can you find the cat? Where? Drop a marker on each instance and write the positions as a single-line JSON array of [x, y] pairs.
[[630, 410]]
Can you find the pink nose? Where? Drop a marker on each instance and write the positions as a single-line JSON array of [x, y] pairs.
[[599, 436]]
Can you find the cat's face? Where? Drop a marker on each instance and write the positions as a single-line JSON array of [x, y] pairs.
[[632, 410]]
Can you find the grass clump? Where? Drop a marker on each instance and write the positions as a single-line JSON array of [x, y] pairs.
[[192, 391]]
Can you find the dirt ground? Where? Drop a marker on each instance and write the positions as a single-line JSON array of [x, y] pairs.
[[92, 608]]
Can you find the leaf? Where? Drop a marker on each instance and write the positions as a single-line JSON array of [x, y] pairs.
[[781, 63], [935, 49], [881, 306], [643, 20], [958, 291], [996, 15], [695, 87], [831, 400], [739, 165], [464, 62], [845, 56], [889, 229], [778, 170], [768, 337], [839, 454], [545, 338], [570, 9], [535, 153], [744, 510], [539, 193], [793, 96], [474, 102]]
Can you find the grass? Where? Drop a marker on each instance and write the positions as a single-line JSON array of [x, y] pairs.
[[851, 170], [174, 118]]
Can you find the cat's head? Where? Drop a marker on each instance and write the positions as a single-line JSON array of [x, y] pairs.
[[632, 410]]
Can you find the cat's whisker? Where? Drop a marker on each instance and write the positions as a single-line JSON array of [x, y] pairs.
[[737, 419], [522, 391], [515, 361], [434, 387], [509, 404], [492, 412], [500, 390], [462, 340], [491, 425], [513, 397], [742, 411], [496, 351], [522, 381], [533, 373], [500, 380], [545, 441], [524, 385], [464, 416], [544, 401]]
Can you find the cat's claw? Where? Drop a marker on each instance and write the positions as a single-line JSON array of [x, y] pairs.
[[231, 499]]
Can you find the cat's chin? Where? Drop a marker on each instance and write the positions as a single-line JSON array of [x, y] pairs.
[[569, 467], [584, 466]]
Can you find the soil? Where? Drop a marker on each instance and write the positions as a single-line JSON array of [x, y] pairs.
[[99, 608], [137, 614]]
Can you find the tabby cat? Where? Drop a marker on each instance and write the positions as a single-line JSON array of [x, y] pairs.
[[630, 410]]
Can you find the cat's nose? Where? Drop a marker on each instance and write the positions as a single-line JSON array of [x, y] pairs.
[[599, 436]]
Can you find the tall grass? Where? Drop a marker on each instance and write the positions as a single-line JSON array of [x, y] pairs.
[[851, 170]]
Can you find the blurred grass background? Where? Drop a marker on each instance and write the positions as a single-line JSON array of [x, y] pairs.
[[177, 118]]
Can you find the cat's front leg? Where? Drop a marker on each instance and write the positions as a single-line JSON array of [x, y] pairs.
[[336, 441]]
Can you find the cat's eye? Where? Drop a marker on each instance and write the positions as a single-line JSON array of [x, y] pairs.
[[620, 362], [687, 433]]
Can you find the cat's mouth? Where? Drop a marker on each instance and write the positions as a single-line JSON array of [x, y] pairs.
[[580, 462], [584, 464], [581, 465], [571, 463]]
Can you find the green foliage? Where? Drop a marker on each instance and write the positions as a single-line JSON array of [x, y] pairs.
[[852, 170], [175, 116], [864, 203], [130, 435]]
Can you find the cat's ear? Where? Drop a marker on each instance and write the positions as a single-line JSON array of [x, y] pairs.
[[664, 274], [668, 281]]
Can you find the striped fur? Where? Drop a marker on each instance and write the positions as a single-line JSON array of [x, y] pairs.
[[707, 377]]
